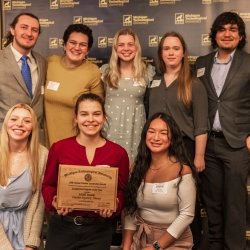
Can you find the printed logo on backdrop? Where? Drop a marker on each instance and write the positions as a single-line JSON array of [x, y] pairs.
[[95, 60], [6, 4], [60, 42], [102, 42], [68, 3], [194, 18], [153, 2], [153, 41], [54, 4], [103, 3], [110, 3], [206, 1], [245, 16], [15, 5], [205, 40], [142, 19], [192, 59], [148, 60], [127, 20], [91, 21], [53, 43], [45, 22], [77, 19], [179, 18]]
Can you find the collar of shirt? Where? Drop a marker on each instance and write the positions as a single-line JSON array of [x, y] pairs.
[[217, 60], [18, 55]]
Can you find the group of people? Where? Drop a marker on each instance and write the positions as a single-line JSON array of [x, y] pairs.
[[177, 136]]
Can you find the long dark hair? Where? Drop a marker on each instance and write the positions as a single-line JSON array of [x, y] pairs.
[[9, 36], [143, 159], [228, 18]]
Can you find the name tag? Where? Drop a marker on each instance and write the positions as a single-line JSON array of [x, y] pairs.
[[200, 72], [159, 188], [155, 83], [42, 90], [53, 85]]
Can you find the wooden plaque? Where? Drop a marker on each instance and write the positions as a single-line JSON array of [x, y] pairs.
[[87, 188]]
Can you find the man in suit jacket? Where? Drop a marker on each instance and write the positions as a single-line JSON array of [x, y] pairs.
[[226, 75], [22, 37]]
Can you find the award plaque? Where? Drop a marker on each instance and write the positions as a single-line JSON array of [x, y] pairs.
[[87, 188]]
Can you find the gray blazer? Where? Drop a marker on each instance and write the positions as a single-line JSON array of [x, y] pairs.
[[233, 103], [13, 89]]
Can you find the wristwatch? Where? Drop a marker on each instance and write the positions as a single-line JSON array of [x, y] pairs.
[[156, 245]]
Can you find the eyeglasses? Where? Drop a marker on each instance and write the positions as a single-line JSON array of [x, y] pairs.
[[82, 45]]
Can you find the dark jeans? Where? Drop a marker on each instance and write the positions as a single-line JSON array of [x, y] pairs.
[[65, 235]]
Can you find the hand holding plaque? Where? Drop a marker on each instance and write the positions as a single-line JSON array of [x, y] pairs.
[[87, 188]]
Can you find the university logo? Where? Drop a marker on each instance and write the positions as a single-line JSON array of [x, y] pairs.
[[179, 18], [102, 42], [153, 2], [103, 3], [6, 4], [54, 4], [205, 40], [53, 43], [153, 41], [60, 42], [77, 19], [127, 20], [206, 1]]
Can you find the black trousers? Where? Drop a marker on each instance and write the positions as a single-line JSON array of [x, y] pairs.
[[65, 235], [196, 225], [224, 193]]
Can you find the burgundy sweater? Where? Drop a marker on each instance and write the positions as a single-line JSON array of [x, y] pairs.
[[70, 152]]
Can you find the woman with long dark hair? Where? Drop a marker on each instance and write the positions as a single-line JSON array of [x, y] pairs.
[[161, 191]]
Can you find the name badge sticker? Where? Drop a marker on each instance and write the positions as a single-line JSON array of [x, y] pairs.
[[159, 188], [155, 83], [42, 90], [53, 85], [200, 72]]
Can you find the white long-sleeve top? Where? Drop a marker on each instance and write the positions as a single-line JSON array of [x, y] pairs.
[[163, 203]]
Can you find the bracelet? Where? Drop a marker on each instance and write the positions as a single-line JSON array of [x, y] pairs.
[[156, 245]]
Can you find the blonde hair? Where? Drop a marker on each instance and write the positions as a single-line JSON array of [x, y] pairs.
[[112, 73], [184, 80], [32, 147]]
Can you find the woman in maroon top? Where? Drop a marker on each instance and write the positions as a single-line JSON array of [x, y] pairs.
[[75, 229]]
